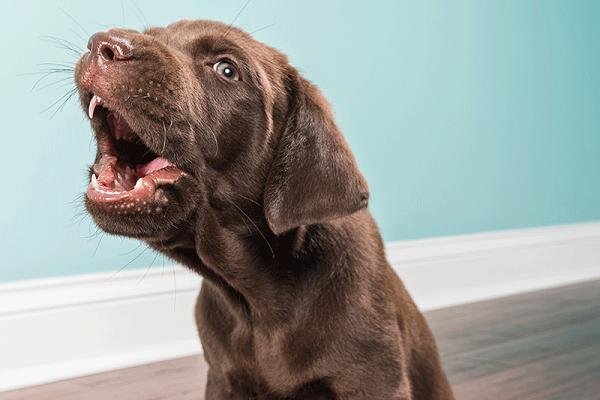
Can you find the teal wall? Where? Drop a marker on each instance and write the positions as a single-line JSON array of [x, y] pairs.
[[464, 116]]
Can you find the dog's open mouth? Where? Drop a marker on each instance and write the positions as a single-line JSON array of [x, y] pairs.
[[128, 173]]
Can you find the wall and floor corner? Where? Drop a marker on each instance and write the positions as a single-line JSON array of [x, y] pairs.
[[58, 328], [476, 124]]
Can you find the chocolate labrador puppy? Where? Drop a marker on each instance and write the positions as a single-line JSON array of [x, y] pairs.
[[213, 150]]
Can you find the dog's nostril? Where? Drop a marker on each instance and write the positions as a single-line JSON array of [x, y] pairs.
[[107, 47], [108, 54]]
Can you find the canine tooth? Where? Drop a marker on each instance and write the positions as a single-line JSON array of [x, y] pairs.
[[138, 184], [117, 134], [93, 103], [94, 181]]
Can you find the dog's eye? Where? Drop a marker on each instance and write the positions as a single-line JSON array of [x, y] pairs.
[[228, 70]]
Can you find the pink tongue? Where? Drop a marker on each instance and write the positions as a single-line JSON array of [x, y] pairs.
[[154, 165]]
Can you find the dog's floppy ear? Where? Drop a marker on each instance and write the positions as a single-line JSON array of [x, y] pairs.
[[314, 177]]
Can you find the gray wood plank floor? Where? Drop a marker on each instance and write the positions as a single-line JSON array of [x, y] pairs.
[[534, 346]]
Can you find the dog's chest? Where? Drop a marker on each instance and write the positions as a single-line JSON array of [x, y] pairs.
[[264, 361], [271, 354]]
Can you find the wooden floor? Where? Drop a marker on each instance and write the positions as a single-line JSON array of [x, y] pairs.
[[541, 345]]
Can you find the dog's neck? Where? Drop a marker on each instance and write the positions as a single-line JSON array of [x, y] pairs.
[[245, 270], [255, 275]]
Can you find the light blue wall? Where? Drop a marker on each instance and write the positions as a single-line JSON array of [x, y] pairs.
[[464, 116]]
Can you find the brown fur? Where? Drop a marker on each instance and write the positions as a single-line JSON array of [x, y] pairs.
[[298, 300]]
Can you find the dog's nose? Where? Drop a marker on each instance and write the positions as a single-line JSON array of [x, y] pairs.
[[107, 48]]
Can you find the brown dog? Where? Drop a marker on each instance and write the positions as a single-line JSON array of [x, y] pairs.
[[216, 152]]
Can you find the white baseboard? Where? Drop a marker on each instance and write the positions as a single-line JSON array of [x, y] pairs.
[[447, 271], [59, 328]]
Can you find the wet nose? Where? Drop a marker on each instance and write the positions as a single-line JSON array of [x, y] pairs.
[[107, 48]]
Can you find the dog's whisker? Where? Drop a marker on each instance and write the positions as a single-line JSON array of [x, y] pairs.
[[79, 211], [64, 44], [64, 99], [94, 233], [249, 199], [244, 221], [235, 19], [76, 22], [48, 71], [68, 96], [48, 74], [67, 67], [51, 69], [216, 141], [83, 39], [147, 270], [256, 226], [126, 265], [162, 153], [92, 227], [97, 245], [78, 218], [261, 29], [212, 133], [138, 13], [68, 81], [36, 87], [134, 249]]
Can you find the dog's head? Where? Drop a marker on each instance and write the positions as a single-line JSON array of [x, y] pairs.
[[200, 116]]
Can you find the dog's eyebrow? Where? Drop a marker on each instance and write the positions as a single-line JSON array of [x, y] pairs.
[[212, 45]]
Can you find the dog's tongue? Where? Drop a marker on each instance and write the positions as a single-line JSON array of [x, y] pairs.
[[154, 165]]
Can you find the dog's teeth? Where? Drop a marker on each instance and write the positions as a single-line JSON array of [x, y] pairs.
[[93, 103], [118, 133], [130, 172], [138, 184], [94, 181]]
